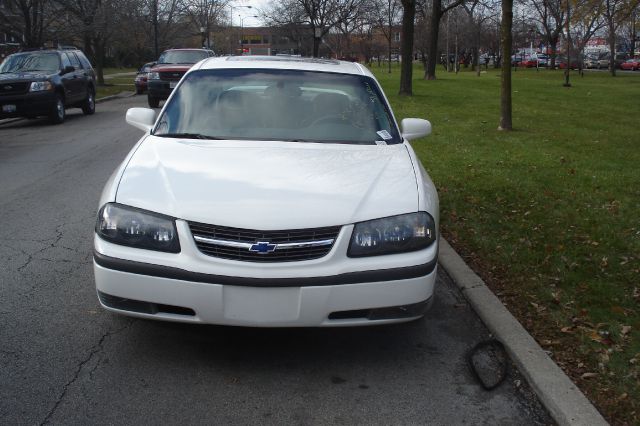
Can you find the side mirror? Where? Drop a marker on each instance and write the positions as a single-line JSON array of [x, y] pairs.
[[141, 118], [414, 128], [67, 70]]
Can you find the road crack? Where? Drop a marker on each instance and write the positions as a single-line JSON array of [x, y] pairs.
[[95, 349]]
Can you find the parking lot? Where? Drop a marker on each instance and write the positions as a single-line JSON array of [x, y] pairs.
[[66, 361]]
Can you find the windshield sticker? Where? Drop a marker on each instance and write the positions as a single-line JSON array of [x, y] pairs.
[[381, 143], [384, 135]]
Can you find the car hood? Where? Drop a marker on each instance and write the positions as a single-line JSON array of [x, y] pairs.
[[269, 185], [24, 76], [172, 67]]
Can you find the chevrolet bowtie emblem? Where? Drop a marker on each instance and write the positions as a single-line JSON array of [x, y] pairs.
[[262, 247]]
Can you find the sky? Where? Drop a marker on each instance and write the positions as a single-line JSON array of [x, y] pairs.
[[246, 14]]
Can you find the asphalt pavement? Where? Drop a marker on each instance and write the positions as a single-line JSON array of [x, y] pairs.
[[63, 360]]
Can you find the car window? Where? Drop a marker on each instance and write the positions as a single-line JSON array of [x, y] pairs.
[[65, 61], [83, 60], [74, 60], [279, 105], [36, 61], [182, 56]]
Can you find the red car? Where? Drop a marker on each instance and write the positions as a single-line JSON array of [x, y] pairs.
[[141, 77], [166, 74], [631, 64]]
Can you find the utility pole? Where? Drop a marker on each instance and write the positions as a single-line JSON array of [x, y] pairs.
[[154, 5]]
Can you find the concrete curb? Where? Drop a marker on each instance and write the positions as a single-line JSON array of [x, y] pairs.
[[562, 398]]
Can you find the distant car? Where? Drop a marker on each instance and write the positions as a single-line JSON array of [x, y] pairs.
[[166, 74], [591, 62], [630, 64], [561, 63], [46, 83], [533, 61], [270, 192], [141, 77]]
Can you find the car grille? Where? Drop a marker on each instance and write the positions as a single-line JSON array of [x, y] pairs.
[[13, 88], [171, 75], [288, 246]]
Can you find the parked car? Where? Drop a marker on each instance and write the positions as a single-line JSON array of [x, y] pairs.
[[561, 62], [533, 61], [46, 83], [141, 77], [591, 62], [166, 74], [631, 64], [270, 192]]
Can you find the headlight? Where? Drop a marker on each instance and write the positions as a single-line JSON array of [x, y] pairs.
[[396, 234], [39, 86], [153, 76], [134, 227]]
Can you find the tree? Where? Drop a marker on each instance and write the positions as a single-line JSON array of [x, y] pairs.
[[551, 15], [437, 12], [406, 47], [26, 19], [387, 14], [615, 13], [505, 78]]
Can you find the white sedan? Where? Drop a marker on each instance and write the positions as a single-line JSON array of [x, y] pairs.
[[270, 192]]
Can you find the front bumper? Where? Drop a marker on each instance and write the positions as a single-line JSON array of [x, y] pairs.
[[331, 291], [28, 104], [160, 89], [364, 303]]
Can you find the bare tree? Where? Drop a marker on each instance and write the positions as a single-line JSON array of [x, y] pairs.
[[386, 17], [438, 9], [320, 16], [505, 78], [615, 13], [203, 14], [26, 19], [551, 15]]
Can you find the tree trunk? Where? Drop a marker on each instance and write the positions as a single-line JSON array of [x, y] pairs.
[[99, 43], [554, 52], [432, 52], [406, 68], [389, 50], [612, 50], [316, 46], [505, 78]]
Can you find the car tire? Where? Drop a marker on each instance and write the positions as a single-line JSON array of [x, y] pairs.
[[153, 102], [58, 113], [89, 104]]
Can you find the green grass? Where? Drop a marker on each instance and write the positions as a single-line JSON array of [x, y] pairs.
[[108, 71], [108, 90], [548, 214]]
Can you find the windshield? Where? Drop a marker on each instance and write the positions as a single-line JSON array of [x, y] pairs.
[[182, 56], [282, 105], [23, 62]]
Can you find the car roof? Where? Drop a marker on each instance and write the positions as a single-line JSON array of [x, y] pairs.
[[187, 48], [285, 63]]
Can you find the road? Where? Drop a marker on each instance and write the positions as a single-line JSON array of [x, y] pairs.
[[63, 360]]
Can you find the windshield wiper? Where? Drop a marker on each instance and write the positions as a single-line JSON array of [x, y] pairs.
[[188, 136]]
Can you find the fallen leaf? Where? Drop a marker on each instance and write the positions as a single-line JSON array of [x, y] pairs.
[[625, 330], [589, 375]]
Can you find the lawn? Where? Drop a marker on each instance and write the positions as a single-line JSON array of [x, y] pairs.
[[547, 214], [115, 85]]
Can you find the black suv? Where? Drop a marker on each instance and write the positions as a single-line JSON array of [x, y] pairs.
[[46, 82]]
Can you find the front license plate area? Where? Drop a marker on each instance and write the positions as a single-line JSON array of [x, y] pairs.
[[172, 84], [264, 305], [8, 108]]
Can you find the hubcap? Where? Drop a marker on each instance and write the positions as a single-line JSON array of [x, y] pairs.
[[60, 108]]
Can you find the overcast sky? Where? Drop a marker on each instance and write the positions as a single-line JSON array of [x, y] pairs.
[[246, 13]]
